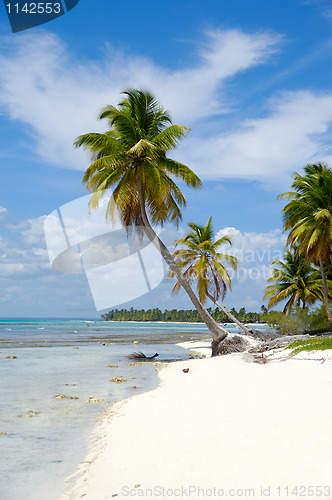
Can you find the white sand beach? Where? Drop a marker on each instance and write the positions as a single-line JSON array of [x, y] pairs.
[[226, 428]]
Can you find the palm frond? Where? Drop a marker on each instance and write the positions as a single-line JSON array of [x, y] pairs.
[[169, 138], [141, 133], [200, 261]]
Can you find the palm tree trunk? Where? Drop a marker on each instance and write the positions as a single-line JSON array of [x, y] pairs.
[[218, 332], [230, 315], [326, 296]]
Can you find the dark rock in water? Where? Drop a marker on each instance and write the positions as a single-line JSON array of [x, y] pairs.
[[118, 379], [93, 400], [231, 344], [63, 396], [141, 355]]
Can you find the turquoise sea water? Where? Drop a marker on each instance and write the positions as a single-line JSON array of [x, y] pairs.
[[43, 438]]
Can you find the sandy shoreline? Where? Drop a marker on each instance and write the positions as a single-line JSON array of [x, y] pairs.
[[226, 428]]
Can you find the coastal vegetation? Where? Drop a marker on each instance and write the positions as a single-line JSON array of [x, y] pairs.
[[131, 157], [181, 315], [304, 275], [296, 280], [299, 321], [316, 344], [308, 218]]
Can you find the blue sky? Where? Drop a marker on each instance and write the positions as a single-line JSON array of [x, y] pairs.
[[251, 78]]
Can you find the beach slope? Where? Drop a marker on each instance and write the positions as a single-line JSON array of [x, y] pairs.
[[225, 428]]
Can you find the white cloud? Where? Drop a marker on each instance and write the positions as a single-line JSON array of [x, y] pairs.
[[58, 97], [255, 252], [23, 253], [244, 243], [29, 287], [295, 131]]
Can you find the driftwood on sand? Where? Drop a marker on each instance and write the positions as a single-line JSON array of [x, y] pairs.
[[277, 343], [232, 343], [262, 336], [140, 355], [257, 343], [240, 343]]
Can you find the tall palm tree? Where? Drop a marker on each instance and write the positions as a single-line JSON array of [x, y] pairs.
[[202, 263], [296, 280], [308, 216], [131, 158]]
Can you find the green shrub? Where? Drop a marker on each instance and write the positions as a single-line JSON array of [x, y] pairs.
[[300, 321], [316, 344]]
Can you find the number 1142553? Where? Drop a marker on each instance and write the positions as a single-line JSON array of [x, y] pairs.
[[34, 8]]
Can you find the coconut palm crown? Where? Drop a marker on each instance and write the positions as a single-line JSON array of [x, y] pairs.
[[201, 261], [296, 280], [308, 214], [132, 157]]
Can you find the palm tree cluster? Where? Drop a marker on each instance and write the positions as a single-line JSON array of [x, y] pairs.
[[179, 315], [131, 157], [308, 218]]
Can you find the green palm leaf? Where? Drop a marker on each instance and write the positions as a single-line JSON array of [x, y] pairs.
[[296, 280], [201, 262]]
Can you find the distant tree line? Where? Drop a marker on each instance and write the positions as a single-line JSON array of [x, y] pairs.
[[186, 315]]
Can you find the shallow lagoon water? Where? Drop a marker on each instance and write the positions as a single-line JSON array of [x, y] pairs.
[[42, 438]]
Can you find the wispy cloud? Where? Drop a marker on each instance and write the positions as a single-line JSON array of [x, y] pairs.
[[57, 96], [295, 130]]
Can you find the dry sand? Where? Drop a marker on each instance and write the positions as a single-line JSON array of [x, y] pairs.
[[225, 428]]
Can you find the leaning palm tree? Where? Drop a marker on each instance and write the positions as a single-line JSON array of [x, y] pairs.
[[202, 263], [131, 158], [308, 217], [296, 281]]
